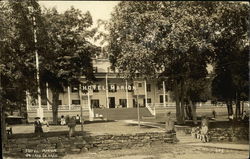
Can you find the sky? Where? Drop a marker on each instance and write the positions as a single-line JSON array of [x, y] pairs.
[[98, 9]]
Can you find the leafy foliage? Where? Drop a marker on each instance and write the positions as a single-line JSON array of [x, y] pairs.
[[62, 44]]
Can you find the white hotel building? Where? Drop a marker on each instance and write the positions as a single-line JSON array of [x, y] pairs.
[[120, 94]]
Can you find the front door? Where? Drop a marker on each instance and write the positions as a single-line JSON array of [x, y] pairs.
[[111, 102]]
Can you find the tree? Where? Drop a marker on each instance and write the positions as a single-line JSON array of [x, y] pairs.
[[231, 47], [68, 51], [162, 39], [17, 59], [62, 45]]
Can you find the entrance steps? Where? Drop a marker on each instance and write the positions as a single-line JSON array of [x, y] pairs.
[[121, 113]]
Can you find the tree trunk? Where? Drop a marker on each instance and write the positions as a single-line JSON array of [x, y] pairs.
[[3, 126], [178, 113], [193, 109], [188, 112], [182, 103], [55, 99], [182, 110], [237, 112], [229, 107], [242, 106]]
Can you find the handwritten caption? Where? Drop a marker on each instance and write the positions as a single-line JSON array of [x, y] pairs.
[[43, 153]]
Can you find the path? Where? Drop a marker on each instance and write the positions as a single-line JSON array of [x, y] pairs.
[[187, 139]]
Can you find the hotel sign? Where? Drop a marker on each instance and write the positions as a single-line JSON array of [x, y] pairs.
[[110, 87]]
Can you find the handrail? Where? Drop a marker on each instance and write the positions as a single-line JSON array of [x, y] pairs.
[[152, 111]]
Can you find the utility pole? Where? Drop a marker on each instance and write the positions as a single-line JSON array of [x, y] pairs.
[[80, 95], [39, 109], [138, 110]]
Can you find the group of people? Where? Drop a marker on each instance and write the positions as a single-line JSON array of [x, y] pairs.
[[41, 126], [244, 117], [201, 132], [71, 122], [65, 121]]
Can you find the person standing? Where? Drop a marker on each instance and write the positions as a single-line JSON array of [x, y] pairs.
[[45, 125], [38, 127], [78, 119], [63, 121], [244, 116], [214, 114], [72, 125], [169, 125]]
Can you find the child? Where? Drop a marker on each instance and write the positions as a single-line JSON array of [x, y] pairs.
[[204, 131]]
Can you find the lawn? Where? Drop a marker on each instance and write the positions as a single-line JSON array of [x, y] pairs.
[[93, 128]]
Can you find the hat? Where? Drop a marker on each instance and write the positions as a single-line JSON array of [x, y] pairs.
[[37, 117]]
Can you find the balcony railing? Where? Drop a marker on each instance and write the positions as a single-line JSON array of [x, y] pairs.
[[161, 105]]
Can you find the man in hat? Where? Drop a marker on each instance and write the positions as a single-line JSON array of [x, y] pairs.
[[38, 126], [169, 124]]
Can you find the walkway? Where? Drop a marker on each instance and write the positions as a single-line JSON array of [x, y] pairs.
[[186, 139]]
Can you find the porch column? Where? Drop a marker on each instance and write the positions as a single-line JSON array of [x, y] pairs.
[[47, 94], [80, 94], [91, 113], [164, 94], [107, 92], [146, 96], [69, 99], [127, 93]]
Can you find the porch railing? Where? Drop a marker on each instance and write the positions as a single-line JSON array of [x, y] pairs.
[[60, 107]]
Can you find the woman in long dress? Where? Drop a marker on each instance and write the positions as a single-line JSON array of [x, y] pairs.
[[38, 127], [45, 125]]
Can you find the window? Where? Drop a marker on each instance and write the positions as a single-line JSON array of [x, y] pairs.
[[112, 87], [74, 89], [123, 102], [160, 86], [95, 89], [43, 101], [148, 87], [134, 103], [139, 84], [59, 102], [76, 102], [95, 69], [95, 103], [161, 98], [148, 100]]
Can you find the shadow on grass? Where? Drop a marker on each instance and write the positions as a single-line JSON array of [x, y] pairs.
[[48, 134], [216, 124], [89, 122], [57, 133], [98, 121], [141, 126]]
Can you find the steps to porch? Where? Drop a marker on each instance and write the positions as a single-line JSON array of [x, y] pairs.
[[122, 113]]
